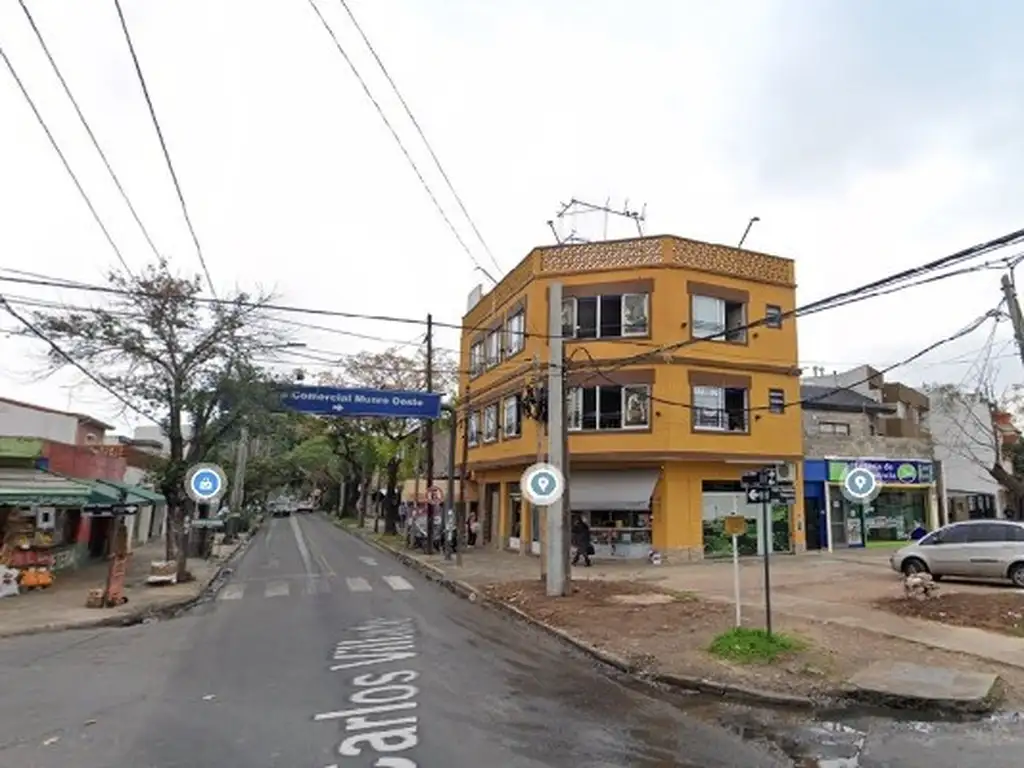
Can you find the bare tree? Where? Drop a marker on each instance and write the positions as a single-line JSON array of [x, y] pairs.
[[971, 430], [186, 362]]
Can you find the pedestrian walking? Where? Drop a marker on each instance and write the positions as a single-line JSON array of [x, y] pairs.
[[581, 541]]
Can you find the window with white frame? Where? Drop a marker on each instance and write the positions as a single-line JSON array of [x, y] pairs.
[[719, 409], [510, 416], [833, 428], [491, 423], [492, 348], [773, 316], [515, 333], [608, 407], [476, 359], [614, 316], [717, 319], [473, 429]]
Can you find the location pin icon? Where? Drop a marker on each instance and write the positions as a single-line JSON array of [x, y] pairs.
[[859, 481], [543, 482]]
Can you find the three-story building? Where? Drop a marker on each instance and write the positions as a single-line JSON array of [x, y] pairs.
[[671, 397]]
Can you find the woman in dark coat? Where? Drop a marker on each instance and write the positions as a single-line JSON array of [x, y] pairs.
[[581, 541]]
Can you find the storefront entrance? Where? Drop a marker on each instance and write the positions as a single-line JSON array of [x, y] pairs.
[[616, 504], [890, 518]]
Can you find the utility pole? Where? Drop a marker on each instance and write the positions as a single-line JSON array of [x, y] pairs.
[[542, 426], [429, 426], [463, 461], [557, 551], [1013, 308], [238, 486], [449, 498]]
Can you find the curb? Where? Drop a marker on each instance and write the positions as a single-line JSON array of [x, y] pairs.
[[165, 610], [620, 664]]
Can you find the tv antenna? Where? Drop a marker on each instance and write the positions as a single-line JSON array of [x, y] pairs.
[[565, 224]]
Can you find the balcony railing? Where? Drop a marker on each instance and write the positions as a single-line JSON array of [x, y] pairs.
[[719, 420]]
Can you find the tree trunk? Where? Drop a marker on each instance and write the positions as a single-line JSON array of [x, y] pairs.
[[391, 502], [1005, 479]]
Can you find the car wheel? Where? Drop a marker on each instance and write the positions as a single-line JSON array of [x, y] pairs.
[[912, 566], [1017, 574]]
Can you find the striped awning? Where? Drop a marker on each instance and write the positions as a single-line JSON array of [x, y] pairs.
[[24, 487]]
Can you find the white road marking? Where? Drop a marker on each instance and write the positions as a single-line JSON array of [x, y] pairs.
[[232, 592], [300, 542], [358, 585], [277, 589], [317, 587], [368, 560], [397, 583]]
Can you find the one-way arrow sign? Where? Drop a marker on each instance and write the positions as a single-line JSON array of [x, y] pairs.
[[338, 408], [756, 495]]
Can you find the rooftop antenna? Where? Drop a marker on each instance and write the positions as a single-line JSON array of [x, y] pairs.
[[575, 208]]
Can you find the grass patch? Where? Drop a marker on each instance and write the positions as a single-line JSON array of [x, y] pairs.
[[752, 646]]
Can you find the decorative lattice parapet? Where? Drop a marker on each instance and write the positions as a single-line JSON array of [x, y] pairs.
[[725, 260]]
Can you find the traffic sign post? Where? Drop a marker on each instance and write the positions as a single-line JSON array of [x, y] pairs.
[[763, 486], [355, 403], [736, 526]]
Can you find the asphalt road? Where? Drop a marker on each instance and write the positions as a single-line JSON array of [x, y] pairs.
[[320, 651]]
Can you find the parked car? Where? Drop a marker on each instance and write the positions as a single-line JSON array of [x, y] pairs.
[[974, 549]]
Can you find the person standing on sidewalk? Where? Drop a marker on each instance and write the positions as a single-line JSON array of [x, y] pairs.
[[581, 541]]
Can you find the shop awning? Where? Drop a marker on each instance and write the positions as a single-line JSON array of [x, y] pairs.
[[628, 490], [141, 495], [24, 487]]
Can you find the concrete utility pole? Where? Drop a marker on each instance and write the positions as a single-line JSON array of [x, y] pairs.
[[463, 461], [238, 487], [458, 512], [1013, 308], [430, 434], [557, 550], [541, 434]]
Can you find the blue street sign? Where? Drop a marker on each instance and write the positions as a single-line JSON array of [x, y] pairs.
[[205, 483], [383, 403]]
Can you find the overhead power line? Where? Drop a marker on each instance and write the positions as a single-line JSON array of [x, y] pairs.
[[401, 144], [423, 136], [163, 146], [59, 351], [968, 329], [64, 160], [88, 128]]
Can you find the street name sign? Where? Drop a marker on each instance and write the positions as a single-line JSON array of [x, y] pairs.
[[355, 403]]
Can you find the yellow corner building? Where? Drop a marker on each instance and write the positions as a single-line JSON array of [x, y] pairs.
[[656, 446]]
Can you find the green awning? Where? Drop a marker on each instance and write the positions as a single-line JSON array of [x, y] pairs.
[[24, 487], [141, 495]]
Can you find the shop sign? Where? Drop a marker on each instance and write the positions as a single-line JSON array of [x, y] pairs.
[[20, 447], [888, 471]]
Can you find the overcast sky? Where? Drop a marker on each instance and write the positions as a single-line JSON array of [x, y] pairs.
[[868, 136]]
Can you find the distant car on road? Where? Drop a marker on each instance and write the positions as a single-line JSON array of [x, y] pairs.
[[304, 506], [280, 509], [973, 549]]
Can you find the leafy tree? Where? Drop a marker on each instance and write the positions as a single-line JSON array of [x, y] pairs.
[[185, 362], [380, 441]]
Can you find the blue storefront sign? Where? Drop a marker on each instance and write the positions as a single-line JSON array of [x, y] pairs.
[[888, 471]]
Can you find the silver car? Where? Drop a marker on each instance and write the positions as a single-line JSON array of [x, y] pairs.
[[975, 549]]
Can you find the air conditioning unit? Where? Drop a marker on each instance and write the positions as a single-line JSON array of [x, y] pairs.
[[786, 472]]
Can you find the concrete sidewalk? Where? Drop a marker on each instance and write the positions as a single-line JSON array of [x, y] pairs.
[[817, 587], [62, 606]]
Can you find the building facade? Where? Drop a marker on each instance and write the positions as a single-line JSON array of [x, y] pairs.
[[670, 397], [856, 419]]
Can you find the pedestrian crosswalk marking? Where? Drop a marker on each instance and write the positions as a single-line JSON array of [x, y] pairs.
[[368, 560], [397, 583], [311, 586], [358, 585], [277, 589]]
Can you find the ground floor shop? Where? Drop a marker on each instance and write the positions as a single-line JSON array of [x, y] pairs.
[[676, 508], [906, 501]]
